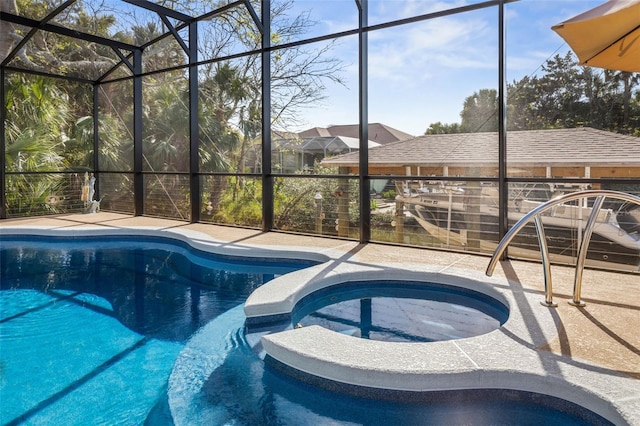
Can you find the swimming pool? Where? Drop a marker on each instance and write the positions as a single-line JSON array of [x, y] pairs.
[[94, 332], [91, 327]]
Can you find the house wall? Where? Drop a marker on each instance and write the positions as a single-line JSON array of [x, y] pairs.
[[613, 172]]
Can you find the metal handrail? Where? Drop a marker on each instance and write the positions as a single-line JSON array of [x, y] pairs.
[[535, 214]]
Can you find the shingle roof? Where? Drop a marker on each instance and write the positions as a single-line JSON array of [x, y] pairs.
[[567, 147], [316, 131], [327, 145], [378, 132]]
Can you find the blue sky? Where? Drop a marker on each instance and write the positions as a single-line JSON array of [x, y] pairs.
[[422, 73]]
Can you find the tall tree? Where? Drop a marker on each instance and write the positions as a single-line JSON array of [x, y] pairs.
[[440, 128], [38, 114], [564, 95], [622, 84], [50, 52], [8, 35], [479, 112], [561, 99], [522, 111], [36, 131]]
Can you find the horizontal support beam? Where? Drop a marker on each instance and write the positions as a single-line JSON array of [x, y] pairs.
[[32, 23], [161, 10]]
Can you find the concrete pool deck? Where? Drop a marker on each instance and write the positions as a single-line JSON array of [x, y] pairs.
[[594, 347]]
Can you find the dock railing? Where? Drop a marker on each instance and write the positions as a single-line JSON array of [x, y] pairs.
[[535, 215]]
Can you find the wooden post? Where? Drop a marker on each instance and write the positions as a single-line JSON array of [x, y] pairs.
[[317, 202], [399, 221], [342, 193], [473, 200]]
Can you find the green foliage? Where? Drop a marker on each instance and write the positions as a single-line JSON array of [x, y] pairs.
[[389, 194], [294, 202], [564, 95], [295, 199], [439, 128], [382, 219], [241, 207], [38, 194], [37, 124], [479, 113], [569, 95], [51, 52]]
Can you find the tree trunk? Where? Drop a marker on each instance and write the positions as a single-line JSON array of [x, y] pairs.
[[7, 35]]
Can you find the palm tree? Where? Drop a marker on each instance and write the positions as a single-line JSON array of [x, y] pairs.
[[36, 132], [628, 81]]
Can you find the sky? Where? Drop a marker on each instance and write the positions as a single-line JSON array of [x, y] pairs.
[[421, 73]]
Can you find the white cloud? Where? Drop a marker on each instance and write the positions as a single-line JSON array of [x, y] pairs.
[[416, 52], [391, 10], [421, 73]]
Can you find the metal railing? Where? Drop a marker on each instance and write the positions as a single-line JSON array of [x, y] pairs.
[[536, 214]]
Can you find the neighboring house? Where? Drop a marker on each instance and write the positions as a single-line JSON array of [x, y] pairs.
[[581, 152], [294, 152], [379, 133]]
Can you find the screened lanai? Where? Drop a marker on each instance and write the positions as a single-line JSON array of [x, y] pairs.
[[170, 109]]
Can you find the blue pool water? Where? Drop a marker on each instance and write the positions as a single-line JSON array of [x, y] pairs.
[[238, 388], [116, 330], [401, 311], [91, 327]]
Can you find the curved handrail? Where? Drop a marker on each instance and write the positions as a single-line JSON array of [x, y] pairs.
[[582, 252]]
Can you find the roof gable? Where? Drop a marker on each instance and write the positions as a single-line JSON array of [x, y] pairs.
[[378, 132]]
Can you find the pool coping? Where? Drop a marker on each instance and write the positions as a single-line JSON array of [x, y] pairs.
[[520, 364], [195, 239], [470, 363]]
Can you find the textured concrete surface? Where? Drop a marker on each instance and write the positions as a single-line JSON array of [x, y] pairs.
[[594, 349]]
